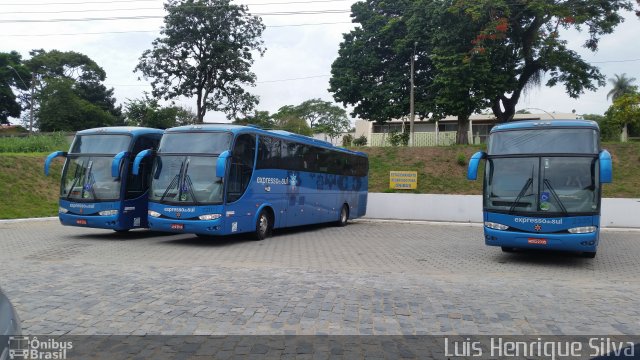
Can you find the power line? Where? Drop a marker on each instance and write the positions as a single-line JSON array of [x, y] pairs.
[[614, 61], [144, 17], [129, 1], [155, 31], [149, 8], [257, 82]]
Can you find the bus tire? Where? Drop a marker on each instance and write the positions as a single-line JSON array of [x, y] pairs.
[[264, 224], [344, 216], [508, 249], [589, 254]]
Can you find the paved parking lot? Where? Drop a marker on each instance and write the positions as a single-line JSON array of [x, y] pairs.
[[368, 278]]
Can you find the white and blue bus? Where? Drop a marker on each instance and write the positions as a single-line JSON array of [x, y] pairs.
[[543, 185], [220, 179], [98, 188]]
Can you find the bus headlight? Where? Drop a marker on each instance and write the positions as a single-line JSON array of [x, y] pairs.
[[209, 217], [108, 212], [495, 226], [582, 229], [62, 210], [153, 213]]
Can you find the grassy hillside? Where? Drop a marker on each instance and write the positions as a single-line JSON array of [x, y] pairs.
[[441, 172], [26, 192]]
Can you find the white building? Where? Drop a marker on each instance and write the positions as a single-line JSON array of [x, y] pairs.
[[443, 132]]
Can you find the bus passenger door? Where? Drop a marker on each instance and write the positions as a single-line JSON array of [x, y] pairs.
[[136, 186], [239, 191]]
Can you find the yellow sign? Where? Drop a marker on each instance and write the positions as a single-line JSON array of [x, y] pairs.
[[405, 180]]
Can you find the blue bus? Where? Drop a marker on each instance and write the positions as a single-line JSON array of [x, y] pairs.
[[542, 185], [98, 188], [220, 179]]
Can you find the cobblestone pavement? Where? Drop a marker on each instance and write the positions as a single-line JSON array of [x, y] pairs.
[[367, 278]]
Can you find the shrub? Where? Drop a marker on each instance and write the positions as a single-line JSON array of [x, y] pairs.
[[397, 138], [361, 141], [347, 140], [33, 143], [461, 159]]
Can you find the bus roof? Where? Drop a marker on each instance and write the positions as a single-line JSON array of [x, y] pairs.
[[281, 134], [541, 124], [133, 130]]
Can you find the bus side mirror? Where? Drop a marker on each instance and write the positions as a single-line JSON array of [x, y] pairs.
[[221, 164], [606, 171], [136, 163], [50, 158], [115, 164], [474, 162]]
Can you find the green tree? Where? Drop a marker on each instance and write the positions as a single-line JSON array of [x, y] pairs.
[[324, 117], [625, 111], [462, 80], [372, 70], [259, 118], [61, 109], [148, 112], [205, 51], [71, 72], [621, 85], [288, 118], [523, 41], [13, 75]]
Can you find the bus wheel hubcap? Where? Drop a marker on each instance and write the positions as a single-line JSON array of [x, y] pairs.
[[264, 223]]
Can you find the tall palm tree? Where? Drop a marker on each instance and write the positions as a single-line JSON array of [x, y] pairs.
[[621, 85]]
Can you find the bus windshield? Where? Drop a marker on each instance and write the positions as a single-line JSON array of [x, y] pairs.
[[549, 141], [195, 143], [89, 178], [186, 179], [100, 144], [542, 185]]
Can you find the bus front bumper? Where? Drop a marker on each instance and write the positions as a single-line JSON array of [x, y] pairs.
[[110, 222], [203, 227], [565, 242]]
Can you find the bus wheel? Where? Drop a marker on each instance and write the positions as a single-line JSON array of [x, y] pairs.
[[344, 216], [508, 249], [589, 255], [263, 226]]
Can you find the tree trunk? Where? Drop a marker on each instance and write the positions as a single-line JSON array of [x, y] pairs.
[[462, 135]]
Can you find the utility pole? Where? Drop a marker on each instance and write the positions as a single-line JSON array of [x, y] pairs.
[[31, 91], [412, 113]]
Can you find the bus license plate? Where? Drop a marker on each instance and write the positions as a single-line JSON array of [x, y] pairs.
[[81, 222], [177, 226], [534, 241]]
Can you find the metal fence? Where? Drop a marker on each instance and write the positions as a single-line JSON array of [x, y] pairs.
[[419, 139]]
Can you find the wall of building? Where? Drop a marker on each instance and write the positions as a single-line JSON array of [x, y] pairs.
[[468, 208]]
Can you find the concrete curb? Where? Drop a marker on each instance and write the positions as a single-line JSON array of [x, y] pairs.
[[473, 224], [394, 221], [9, 221]]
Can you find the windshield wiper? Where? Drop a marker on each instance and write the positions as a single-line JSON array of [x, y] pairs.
[[76, 176], [86, 183], [555, 195], [524, 189], [174, 182]]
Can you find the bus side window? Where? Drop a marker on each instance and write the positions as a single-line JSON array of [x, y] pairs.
[[241, 166]]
